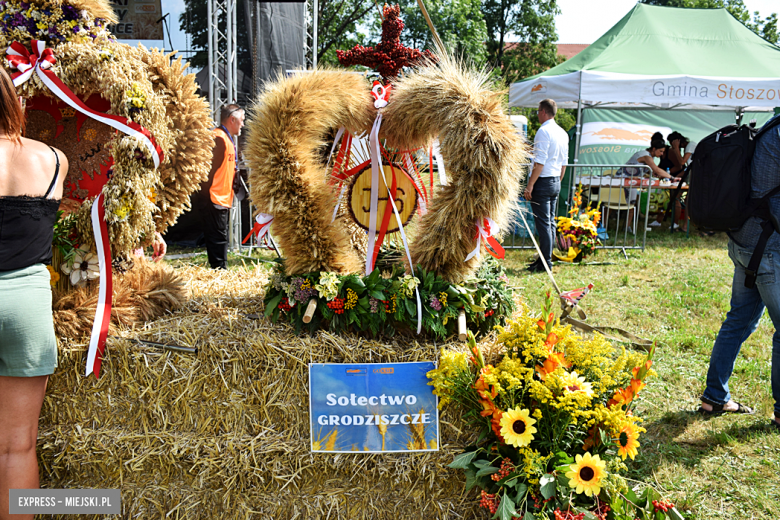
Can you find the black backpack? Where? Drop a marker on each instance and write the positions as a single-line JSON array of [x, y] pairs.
[[719, 193]]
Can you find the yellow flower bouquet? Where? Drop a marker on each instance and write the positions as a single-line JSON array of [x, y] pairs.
[[578, 235], [553, 421]]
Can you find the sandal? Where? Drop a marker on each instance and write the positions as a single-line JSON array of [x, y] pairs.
[[717, 409]]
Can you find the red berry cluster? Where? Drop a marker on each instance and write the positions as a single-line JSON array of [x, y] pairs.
[[337, 304], [660, 505], [285, 305], [567, 515], [539, 501], [489, 501], [389, 56], [489, 313], [601, 511], [506, 468]]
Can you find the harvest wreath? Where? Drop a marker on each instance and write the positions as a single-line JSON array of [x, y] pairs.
[[315, 137], [136, 134]]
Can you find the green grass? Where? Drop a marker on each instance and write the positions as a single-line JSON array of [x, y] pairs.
[[676, 293]]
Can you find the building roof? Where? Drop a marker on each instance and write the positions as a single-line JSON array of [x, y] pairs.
[[569, 50]]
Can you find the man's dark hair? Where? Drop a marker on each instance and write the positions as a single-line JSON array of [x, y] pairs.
[[227, 111], [549, 106]]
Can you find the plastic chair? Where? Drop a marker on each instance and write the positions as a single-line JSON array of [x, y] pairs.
[[615, 198]]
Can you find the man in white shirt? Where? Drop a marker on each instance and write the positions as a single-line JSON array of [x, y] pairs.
[[551, 153]]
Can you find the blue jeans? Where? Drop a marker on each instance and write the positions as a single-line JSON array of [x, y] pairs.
[[544, 202], [747, 306]]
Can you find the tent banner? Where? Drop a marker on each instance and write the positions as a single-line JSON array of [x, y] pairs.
[[612, 136], [673, 90], [655, 90]]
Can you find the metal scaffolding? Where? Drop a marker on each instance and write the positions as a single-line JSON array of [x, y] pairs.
[[222, 52]]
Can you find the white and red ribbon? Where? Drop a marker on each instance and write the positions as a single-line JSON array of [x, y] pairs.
[[381, 94], [486, 230], [97, 341], [437, 156], [262, 226], [41, 61]]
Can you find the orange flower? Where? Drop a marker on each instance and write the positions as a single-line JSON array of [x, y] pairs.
[[636, 386], [622, 396], [553, 361]]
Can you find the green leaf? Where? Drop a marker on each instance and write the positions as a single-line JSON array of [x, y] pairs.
[[463, 460], [377, 295], [548, 485], [510, 481], [522, 489], [674, 514], [410, 307], [471, 478], [487, 470], [506, 509], [269, 308], [529, 516], [481, 463], [477, 308]]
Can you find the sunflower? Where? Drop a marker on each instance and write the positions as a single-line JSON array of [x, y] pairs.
[[572, 382], [627, 441], [586, 473], [517, 427]]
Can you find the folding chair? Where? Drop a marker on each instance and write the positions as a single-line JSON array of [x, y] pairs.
[[615, 198]]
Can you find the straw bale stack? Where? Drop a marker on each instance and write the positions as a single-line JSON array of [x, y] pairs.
[[225, 433]]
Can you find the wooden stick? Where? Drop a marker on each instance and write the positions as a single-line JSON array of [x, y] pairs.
[[309, 314], [166, 346], [462, 331], [436, 38]]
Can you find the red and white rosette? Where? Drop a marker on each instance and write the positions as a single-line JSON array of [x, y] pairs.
[[262, 226], [40, 61], [487, 230], [97, 341]]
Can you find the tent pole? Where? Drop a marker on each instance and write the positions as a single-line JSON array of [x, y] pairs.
[[579, 124]]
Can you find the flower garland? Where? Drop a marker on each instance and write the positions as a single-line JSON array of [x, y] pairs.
[[578, 235], [56, 23], [554, 421], [144, 86], [385, 301]]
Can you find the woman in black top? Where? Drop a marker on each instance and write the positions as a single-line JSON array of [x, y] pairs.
[[31, 180]]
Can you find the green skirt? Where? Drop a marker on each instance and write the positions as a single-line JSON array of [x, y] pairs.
[[28, 347]]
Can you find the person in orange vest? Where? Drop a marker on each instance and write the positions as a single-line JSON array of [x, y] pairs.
[[216, 195]]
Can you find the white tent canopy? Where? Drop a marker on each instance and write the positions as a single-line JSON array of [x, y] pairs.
[[666, 58]]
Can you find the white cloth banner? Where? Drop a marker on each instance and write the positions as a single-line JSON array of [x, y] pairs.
[[663, 90]]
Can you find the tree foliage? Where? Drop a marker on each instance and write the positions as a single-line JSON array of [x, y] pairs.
[[194, 21], [339, 23], [460, 25], [766, 28], [531, 26]]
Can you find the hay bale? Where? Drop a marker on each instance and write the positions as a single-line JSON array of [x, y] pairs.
[[225, 433]]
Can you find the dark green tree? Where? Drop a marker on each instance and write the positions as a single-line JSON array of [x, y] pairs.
[[766, 28], [530, 24], [338, 26], [460, 25], [194, 22]]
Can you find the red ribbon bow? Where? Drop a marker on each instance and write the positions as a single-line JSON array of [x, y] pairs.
[[40, 61], [26, 62]]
